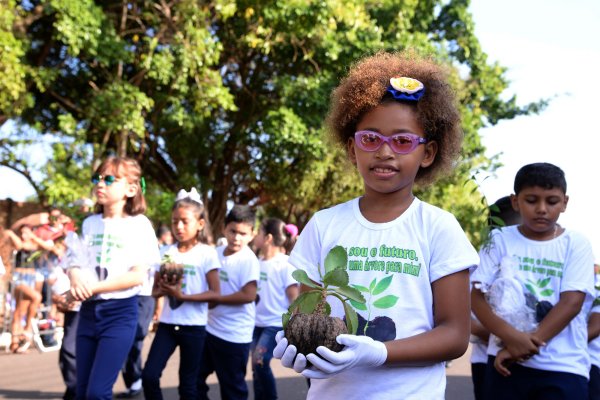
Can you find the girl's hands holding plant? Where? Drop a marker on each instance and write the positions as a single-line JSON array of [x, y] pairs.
[[288, 354], [171, 289], [359, 351]]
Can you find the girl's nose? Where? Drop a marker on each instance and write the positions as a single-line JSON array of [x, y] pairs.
[[384, 152]]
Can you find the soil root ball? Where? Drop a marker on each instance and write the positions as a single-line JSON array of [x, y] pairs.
[[309, 331], [173, 272]]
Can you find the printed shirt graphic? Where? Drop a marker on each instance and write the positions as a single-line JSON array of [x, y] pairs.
[[594, 345], [196, 264], [234, 323], [275, 278], [117, 244], [393, 264], [546, 269]]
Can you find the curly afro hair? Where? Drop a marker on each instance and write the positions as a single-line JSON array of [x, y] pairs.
[[365, 88]]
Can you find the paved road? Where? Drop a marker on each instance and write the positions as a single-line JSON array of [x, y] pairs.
[[36, 376]]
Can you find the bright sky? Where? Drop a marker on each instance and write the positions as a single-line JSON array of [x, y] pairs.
[[550, 48]]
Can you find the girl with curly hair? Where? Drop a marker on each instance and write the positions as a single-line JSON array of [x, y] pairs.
[[396, 116]]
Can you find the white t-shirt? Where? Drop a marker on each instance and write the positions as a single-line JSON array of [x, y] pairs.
[[117, 244], [275, 278], [196, 264], [594, 345], [2, 269], [546, 269], [394, 265], [234, 323]]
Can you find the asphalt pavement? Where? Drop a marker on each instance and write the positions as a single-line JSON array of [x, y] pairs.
[[35, 375]]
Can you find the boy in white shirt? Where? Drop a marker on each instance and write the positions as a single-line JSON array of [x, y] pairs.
[[231, 320], [555, 268]]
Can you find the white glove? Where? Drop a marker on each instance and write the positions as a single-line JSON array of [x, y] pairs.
[[287, 354], [360, 351]]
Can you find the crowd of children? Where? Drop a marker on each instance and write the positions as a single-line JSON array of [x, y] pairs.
[[396, 117]]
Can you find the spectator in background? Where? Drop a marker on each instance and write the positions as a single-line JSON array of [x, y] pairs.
[[28, 284], [164, 236]]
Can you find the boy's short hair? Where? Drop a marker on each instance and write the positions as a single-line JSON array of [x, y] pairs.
[[241, 214], [544, 175]]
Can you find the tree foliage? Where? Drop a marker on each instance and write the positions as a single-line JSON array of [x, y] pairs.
[[226, 95]]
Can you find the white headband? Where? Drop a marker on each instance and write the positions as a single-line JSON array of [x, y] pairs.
[[192, 195]]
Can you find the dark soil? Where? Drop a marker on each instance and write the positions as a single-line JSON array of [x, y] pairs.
[[172, 271], [309, 331]]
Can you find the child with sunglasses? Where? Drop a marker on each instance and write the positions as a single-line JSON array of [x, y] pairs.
[[395, 115], [120, 251]]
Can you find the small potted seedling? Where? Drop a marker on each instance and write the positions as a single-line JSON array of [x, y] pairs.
[[170, 271], [308, 324]]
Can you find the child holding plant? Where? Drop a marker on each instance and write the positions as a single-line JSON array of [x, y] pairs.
[[185, 311], [395, 114]]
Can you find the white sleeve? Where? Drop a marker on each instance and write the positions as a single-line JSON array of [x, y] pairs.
[[307, 250], [451, 251], [490, 256], [146, 251], [579, 267], [211, 261], [288, 279]]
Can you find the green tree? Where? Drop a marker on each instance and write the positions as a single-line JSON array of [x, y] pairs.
[[230, 95]]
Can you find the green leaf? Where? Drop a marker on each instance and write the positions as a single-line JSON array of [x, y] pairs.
[[351, 293], [386, 301], [302, 277], [382, 285], [336, 258], [372, 284], [327, 309], [286, 318], [546, 292], [358, 306], [306, 302], [361, 288], [497, 221], [544, 283], [531, 288], [336, 277], [351, 318]]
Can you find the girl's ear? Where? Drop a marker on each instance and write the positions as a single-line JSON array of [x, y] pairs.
[[350, 149], [269, 238], [201, 224], [431, 149], [131, 190]]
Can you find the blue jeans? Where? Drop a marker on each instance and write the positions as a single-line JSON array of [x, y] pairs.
[[132, 370], [190, 340], [526, 383], [229, 361], [263, 343], [104, 336]]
